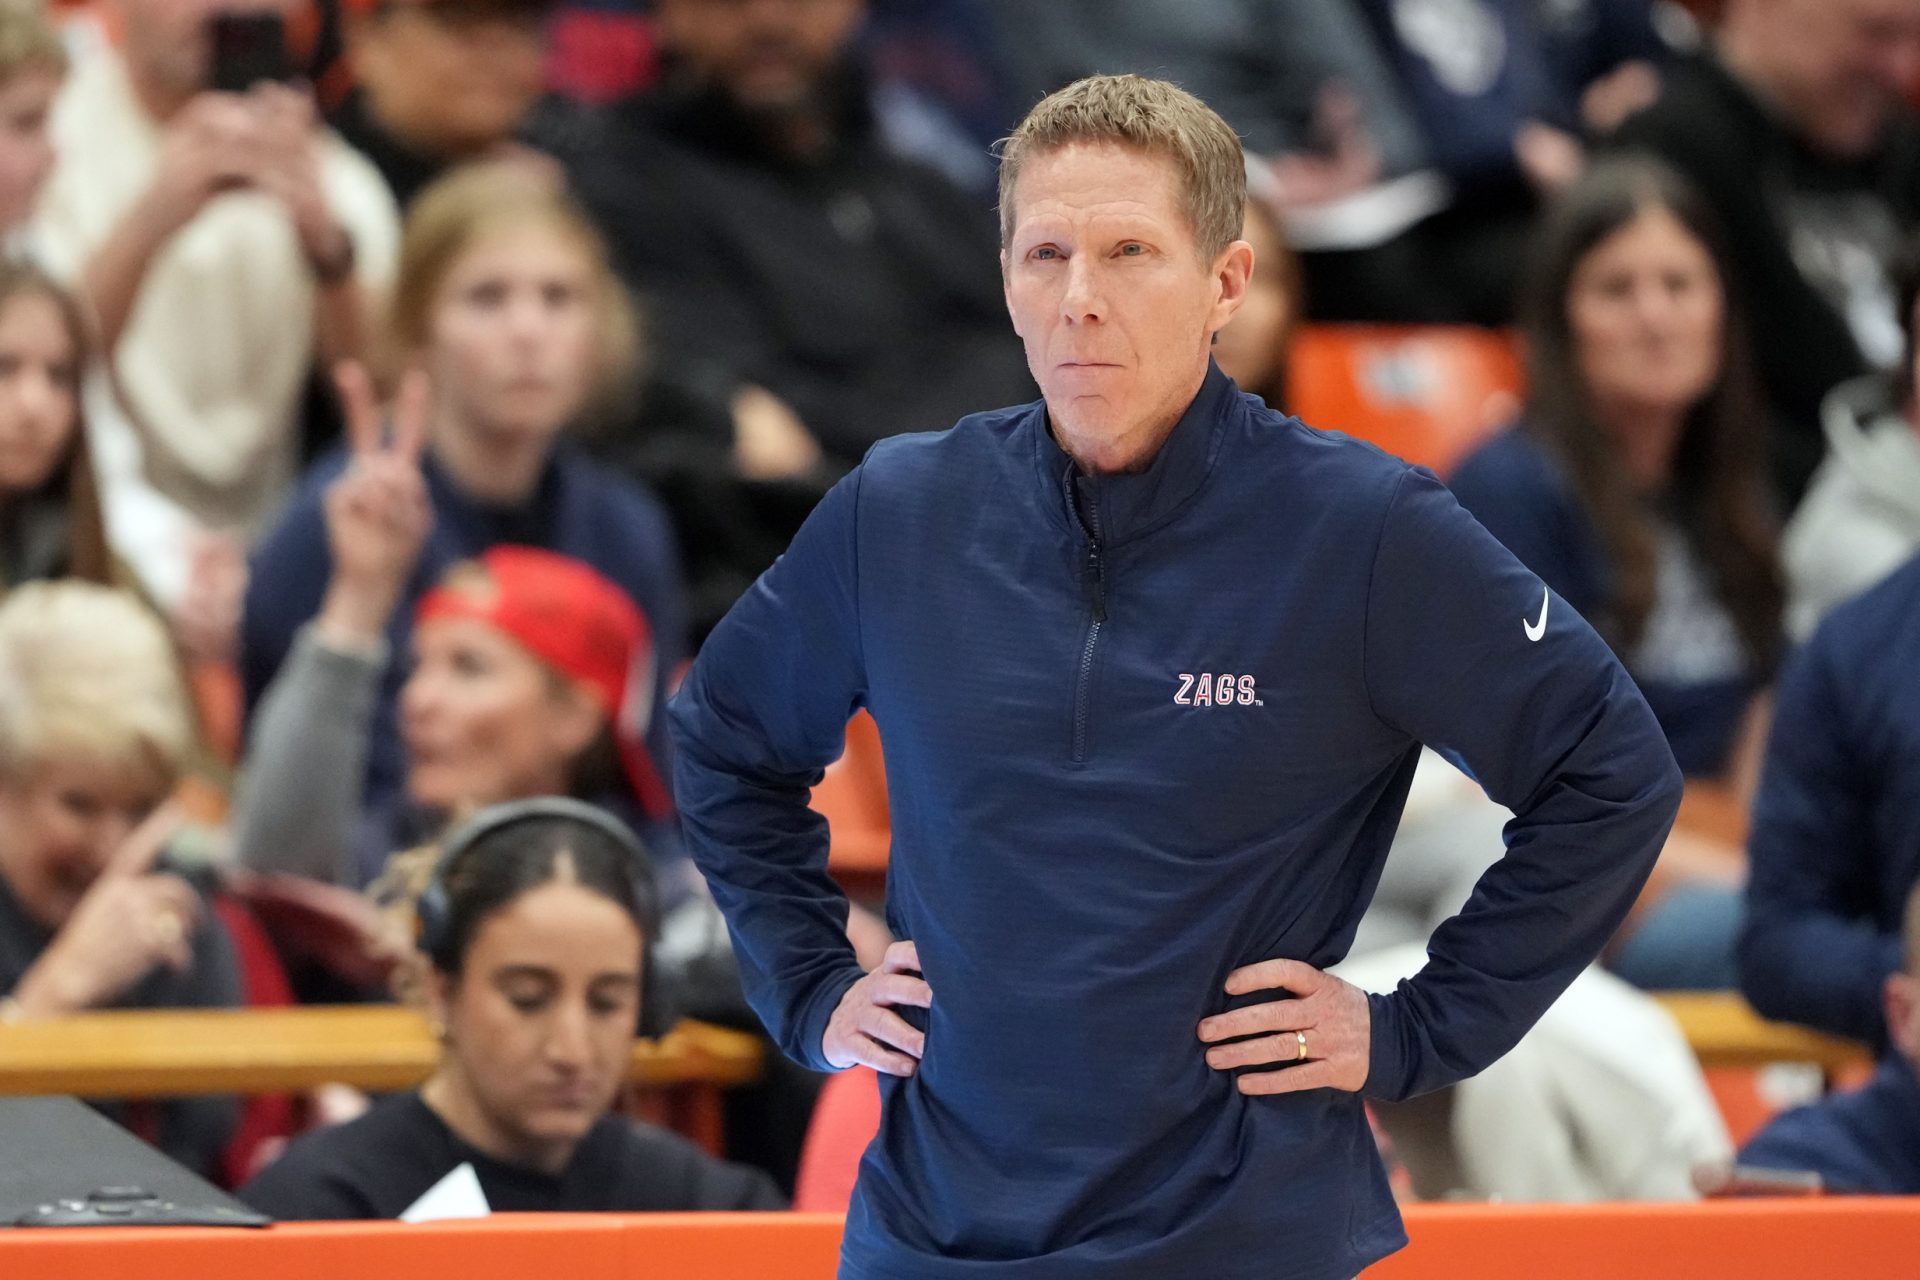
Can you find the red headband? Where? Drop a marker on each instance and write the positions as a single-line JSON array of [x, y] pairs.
[[575, 621]]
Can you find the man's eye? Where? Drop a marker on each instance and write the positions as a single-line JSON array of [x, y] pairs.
[[1046, 253], [1132, 250]]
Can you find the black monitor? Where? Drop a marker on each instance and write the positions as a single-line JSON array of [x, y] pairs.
[[64, 1164]]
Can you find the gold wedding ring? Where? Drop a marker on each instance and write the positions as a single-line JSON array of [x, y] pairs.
[[1301, 1037]]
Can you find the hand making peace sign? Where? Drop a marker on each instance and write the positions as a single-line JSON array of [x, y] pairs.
[[378, 513]]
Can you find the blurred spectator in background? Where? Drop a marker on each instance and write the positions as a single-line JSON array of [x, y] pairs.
[[1634, 488], [33, 63], [1860, 519], [224, 242], [535, 979], [1796, 128], [521, 682], [505, 299], [49, 503], [94, 732], [939, 90], [830, 291], [443, 82], [1867, 1140], [1332, 149], [1404, 143], [1601, 1100], [1502, 91], [1254, 347], [1836, 823]]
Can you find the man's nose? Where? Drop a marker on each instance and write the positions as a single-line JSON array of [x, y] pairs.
[[1082, 301], [569, 1043]]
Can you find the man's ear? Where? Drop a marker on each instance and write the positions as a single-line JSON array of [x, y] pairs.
[[1901, 998], [1006, 293], [1233, 273], [439, 1002]]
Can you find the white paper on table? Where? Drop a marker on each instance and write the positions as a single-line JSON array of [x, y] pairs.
[[458, 1195]]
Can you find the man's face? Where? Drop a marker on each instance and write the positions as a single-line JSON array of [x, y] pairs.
[[1841, 68], [1108, 290], [766, 54], [449, 77], [169, 43], [1902, 999]]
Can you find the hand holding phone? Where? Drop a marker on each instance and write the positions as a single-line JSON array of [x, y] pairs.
[[249, 47]]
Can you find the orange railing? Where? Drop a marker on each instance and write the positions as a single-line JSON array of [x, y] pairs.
[[1864, 1239]]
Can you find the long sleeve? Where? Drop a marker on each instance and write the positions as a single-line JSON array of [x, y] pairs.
[[1510, 486], [300, 794], [760, 716], [1467, 652], [287, 578], [1810, 949]]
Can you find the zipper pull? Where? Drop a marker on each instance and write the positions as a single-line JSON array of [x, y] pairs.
[[1096, 583]]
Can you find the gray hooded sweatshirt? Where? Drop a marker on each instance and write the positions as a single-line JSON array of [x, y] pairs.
[[1860, 519]]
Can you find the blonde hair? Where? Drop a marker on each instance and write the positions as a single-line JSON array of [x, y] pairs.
[[87, 670], [395, 894], [1153, 116], [474, 202], [28, 42]]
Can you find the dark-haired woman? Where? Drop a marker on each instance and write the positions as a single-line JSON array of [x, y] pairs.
[[1635, 488], [50, 523], [533, 983]]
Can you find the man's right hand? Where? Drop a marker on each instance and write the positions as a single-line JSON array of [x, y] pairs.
[[211, 145], [864, 1029]]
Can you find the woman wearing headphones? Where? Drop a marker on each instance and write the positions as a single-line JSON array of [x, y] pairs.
[[533, 931]]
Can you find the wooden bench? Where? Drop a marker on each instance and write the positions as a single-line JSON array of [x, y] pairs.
[[178, 1052], [1725, 1032]]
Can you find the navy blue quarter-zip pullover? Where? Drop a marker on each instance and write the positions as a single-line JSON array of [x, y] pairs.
[[1141, 730]]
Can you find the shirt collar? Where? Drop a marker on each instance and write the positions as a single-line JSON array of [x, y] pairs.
[[1129, 504]]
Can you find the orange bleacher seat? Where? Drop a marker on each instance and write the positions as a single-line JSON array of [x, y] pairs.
[[845, 1119], [268, 1117], [853, 799], [1428, 393]]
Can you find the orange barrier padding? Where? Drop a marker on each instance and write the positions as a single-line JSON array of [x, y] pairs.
[[764, 1246], [845, 1118], [1859, 1238], [1862, 1239]]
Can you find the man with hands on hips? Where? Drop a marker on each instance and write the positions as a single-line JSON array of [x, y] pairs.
[[1152, 664]]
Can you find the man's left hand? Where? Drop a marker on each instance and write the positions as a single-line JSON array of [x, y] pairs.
[[1333, 1016]]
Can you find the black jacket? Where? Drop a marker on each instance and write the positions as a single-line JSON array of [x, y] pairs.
[[1784, 207], [861, 288]]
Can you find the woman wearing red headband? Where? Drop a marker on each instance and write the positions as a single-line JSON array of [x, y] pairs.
[[533, 674], [504, 298]]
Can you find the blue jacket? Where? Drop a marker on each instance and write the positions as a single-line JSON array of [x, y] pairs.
[[1514, 487], [1864, 1141], [1835, 848], [1129, 748], [580, 509]]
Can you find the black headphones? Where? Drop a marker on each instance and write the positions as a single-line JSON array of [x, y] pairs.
[[434, 910]]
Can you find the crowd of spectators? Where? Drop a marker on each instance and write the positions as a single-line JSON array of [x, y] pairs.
[[444, 412]]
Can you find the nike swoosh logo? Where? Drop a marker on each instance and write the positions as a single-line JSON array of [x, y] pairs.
[[1535, 630]]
